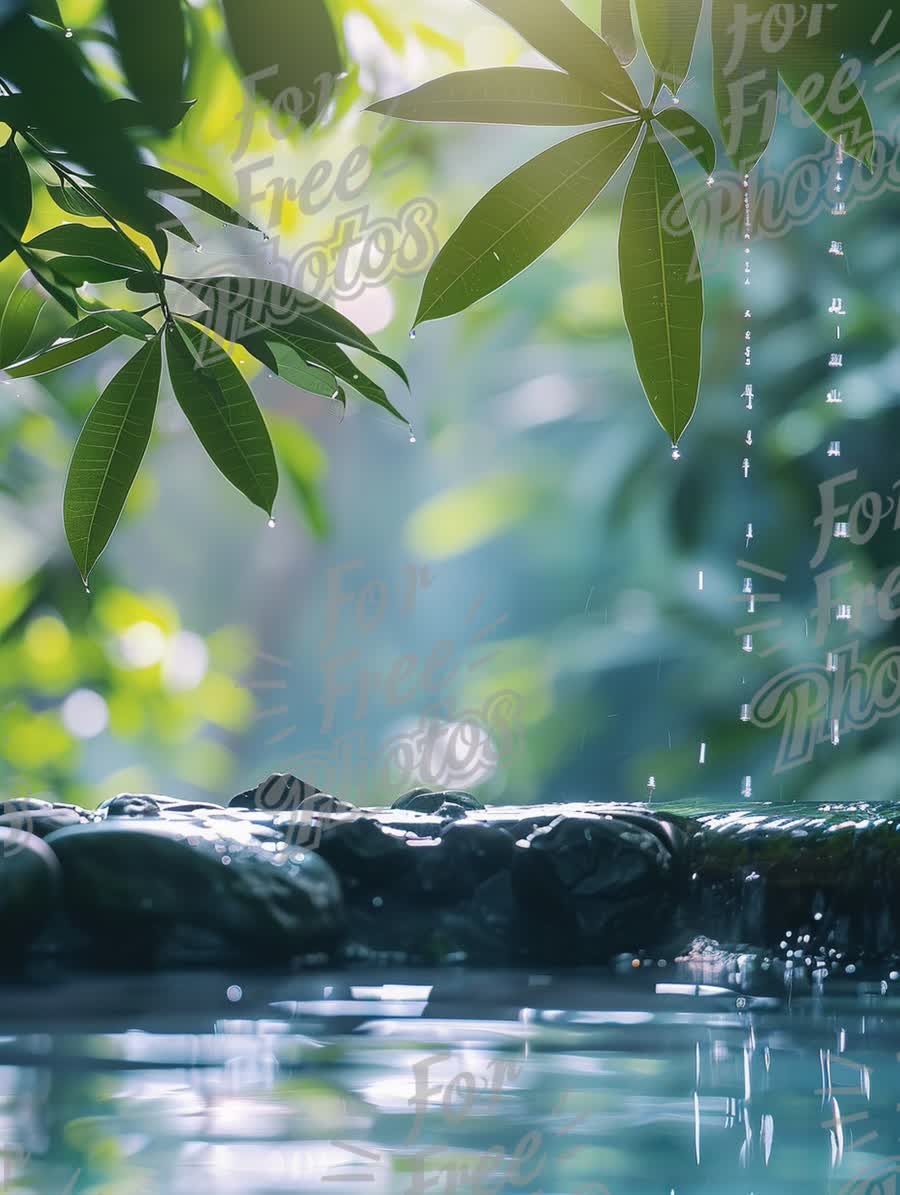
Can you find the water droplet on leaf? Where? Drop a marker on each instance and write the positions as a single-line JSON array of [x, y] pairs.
[[271, 524]]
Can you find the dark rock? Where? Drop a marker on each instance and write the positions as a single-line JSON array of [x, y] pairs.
[[370, 858], [25, 805], [831, 872], [29, 890], [278, 791], [589, 887], [42, 822], [125, 806], [430, 802], [467, 854], [137, 885]]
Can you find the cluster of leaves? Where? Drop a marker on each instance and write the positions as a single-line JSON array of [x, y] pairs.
[[81, 144], [754, 44]]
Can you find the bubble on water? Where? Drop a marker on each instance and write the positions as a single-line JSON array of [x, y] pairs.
[[234, 993]]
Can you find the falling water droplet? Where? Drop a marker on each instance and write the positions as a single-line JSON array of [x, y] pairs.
[[844, 612], [831, 662], [198, 249], [834, 448], [703, 752], [412, 333], [745, 712], [676, 453], [748, 439], [841, 531], [748, 534], [412, 438], [711, 182], [651, 786], [700, 580], [745, 466], [87, 588], [675, 99], [835, 732], [747, 787], [69, 33], [271, 524], [747, 644], [747, 586], [266, 236]]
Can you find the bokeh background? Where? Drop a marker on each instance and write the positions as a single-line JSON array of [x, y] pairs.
[[523, 578]]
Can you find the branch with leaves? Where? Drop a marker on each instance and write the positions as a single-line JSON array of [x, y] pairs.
[[80, 144], [755, 44]]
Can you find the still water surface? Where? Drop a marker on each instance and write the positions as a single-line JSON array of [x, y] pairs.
[[640, 1079]]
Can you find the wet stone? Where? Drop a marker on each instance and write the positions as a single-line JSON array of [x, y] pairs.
[[466, 854], [426, 801], [590, 886], [138, 886], [42, 822], [125, 806], [29, 890], [831, 872], [278, 791]]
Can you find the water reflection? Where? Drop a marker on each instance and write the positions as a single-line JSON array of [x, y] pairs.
[[691, 1078]]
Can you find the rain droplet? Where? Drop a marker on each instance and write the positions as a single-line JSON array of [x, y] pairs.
[[745, 466], [676, 453], [831, 662], [412, 438], [711, 182], [700, 580], [834, 448], [844, 612], [749, 534], [835, 732], [841, 531], [747, 787], [651, 786], [412, 334], [703, 752], [747, 644], [271, 524], [745, 712], [675, 99], [69, 33]]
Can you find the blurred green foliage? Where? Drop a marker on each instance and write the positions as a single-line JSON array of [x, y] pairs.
[[539, 486]]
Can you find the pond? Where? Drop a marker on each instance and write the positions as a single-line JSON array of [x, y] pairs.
[[646, 1077]]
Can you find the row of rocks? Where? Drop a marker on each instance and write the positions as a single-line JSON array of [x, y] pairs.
[[288, 872]]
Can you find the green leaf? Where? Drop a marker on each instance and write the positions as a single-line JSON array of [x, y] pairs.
[[692, 134], [223, 412], [47, 10], [79, 270], [20, 315], [333, 357], [78, 240], [503, 95], [80, 341], [555, 31], [293, 47], [522, 217], [305, 463], [662, 290], [242, 305], [813, 87], [126, 323], [157, 179], [668, 30], [15, 197], [132, 114], [59, 290], [76, 204], [108, 455], [146, 284], [14, 111], [151, 43], [67, 108], [745, 81], [617, 29], [281, 353]]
